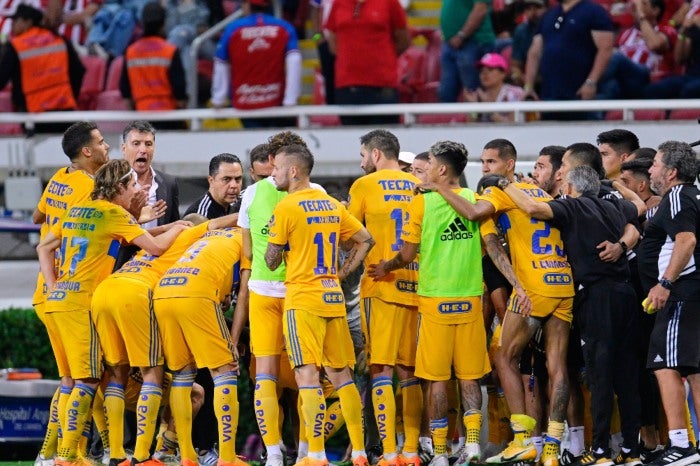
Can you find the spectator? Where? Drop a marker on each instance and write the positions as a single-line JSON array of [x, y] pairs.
[[45, 71], [257, 65], [318, 13], [367, 37], [686, 52], [52, 14], [522, 38], [153, 77], [77, 18], [644, 51], [467, 34], [572, 47], [225, 180], [112, 28], [493, 70]]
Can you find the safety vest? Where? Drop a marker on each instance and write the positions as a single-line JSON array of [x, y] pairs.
[[147, 62], [43, 63]]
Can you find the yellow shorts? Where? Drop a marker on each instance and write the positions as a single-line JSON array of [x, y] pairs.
[[125, 321], [390, 332], [75, 344], [543, 306], [40, 309], [312, 339], [266, 325], [443, 346], [193, 330]]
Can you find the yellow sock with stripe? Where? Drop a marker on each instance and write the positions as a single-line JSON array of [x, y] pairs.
[[150, 397], [98, 415], [48, 448], [472, 425], [689, 425], [85, 438], [438, 430], [62, 415], [555, 429], [77, 411], [114, 407], [334, 419], [385, 414], [267, 410], [412, 413], [351, 405], [181, 409], [226, 410], [313, 407], [302, 425], [522, 426]]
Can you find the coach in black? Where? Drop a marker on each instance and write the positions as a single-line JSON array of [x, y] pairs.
[[668, 255]]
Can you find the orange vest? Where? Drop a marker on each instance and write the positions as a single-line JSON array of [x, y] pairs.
[[147, 61], [43, 63]]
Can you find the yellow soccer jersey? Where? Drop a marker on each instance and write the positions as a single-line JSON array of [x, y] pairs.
[[379, 200], [63, 191], [310, 224], [536, 249], [148, 268], [209, 268], [90, 236]]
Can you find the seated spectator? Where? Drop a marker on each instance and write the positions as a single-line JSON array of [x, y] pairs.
[[493, 69], [52, 10], [644, 51], [686, 52], [522, 38], [45, 70], [77, 19], [112, 28]]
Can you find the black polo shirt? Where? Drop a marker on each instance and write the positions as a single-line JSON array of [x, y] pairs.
[[208, 207]]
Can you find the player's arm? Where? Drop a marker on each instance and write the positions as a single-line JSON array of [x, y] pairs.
[[38, 217], [611, 252], [405, 256], [462, 206], [247, 244], [157, 245], [631, 196], [230, 220], [500, 259], [274, 255], [538, 210], [240, 315], [683, 247], [46, 251], [363, 242]]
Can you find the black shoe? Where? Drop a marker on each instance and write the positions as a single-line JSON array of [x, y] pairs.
[[591, 458], [677, 456], [647, 455], [567, 458], [627, 459]]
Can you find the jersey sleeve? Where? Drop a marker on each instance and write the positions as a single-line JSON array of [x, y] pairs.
[[123, 225], [413, 227], [562, 213], [683, 219], [488, 226], [500, 200]]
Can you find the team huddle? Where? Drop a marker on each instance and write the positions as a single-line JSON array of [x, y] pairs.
[[538, 277]]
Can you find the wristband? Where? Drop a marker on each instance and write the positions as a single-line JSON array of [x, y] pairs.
[[503, 183], [623, 245], [316, 37], [590, 83], [461, 35], [665, 283]]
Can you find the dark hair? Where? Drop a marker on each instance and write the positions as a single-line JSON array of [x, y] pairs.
[[454, 154], [506, 149], [382, 140], [141, 126], [661, 5], [301, 155], [638, 166], [681, 156], [77, 136], [152, 18], [284, 138], [644, 153], [422, 156], [217, 160], [110, 178], [621, 140], [260, 153], [588, 155], [555, 154]]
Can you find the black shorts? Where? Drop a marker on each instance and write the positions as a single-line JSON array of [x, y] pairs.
[[493, 277], [675, 341], [533, 360]]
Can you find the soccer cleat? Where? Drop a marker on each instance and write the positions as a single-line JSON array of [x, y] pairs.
[[78, 461], [148, 462], [208, 457], [627, 459], [41, 461], [425, 450], [274, 460], [469, 453], [394, 462], [188, 462], [308, 461], [567, 458], [550, 454], [414, 460], [236, 462], [515, 451], [440, 460], [647, 455], [677, 456], [361, 460], [105, 457], [591, 458]]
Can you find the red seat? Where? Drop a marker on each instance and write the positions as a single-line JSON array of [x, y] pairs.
[[111, 100], [6, 107], [432, 59], [684, 114], [114, 73], [440, 118], [411, 65], [324, 120], [93, 81], [641, 115]]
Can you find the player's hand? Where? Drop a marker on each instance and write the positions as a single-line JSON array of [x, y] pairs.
[[138, 201], [658, 296], [377, 271], [524, 301], [489, 181], [609, 252], [425, 187], [152, 212]]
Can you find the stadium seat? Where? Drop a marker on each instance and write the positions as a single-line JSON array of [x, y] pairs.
[[684, 114], [6, 107], [114, 73], [411, 66], [641, 115], [432, 59], [324, 120], [93, 81], [441, 119], [111, 100]]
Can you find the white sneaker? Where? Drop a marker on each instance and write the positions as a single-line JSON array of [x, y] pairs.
[[208, 458], [275, 460], [440, 460], [471, 452], [41, 461]]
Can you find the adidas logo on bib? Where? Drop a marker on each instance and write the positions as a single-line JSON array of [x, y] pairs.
[[456, 230]]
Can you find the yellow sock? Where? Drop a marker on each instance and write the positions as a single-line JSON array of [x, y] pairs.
[[313, 406], [351, 404], [226, 410], [114, 407], [267, 410], [98, 415], [147, 407], [412, 413], [48, 448], [689, 425], [87, 431], [438, 430], [472, 425], [385, 414], [302, 424], [555, 429], [62, 403], [77, 411], [334, 420], [181, 409], [522, 425]]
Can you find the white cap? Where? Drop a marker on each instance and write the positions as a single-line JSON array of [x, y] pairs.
[[406, 157]]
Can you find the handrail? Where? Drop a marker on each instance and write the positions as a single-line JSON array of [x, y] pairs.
[[408, 111]]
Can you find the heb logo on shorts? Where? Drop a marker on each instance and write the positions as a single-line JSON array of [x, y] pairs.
[[173, 281], [56, 296], [407, 286], [455, 231], [557, 279], [333, 298], [454, 307]]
